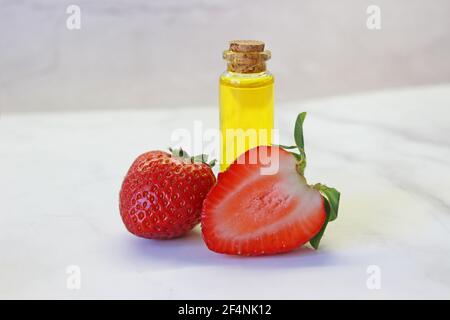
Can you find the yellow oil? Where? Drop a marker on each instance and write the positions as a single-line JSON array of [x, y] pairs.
[[246, 113]]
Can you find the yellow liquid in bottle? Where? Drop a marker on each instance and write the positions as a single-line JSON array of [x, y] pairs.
[[246, 113]]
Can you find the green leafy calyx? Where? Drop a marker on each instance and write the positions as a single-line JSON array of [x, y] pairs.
[[331, 201], [183, 155]]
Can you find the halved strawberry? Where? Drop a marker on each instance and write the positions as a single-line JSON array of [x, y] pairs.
[[250, 212]]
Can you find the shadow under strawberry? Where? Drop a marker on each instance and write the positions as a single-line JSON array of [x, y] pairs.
[[190, 250]]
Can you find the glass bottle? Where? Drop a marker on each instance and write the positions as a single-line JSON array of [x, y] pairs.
[[246, 100]]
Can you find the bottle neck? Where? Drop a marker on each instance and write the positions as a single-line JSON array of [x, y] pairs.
[[241, 75]]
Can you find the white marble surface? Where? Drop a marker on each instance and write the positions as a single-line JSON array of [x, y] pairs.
[[388, 153]]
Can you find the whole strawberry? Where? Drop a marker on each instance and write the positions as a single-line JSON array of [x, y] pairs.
[[162, 194]]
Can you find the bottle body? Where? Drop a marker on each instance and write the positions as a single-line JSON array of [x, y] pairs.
[[246, 113]]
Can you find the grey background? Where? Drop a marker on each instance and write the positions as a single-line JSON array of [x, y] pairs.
[[157, 54]]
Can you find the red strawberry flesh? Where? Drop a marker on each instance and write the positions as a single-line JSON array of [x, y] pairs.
[[247, 213]]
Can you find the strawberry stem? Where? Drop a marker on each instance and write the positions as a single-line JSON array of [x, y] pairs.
[[299, 144]]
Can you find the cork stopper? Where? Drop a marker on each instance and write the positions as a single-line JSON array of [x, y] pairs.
[[246, 56], [246, 46]]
